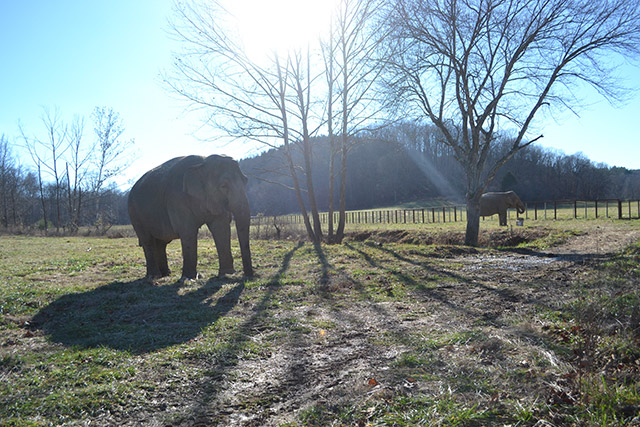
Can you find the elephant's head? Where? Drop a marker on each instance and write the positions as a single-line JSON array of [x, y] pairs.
[[515, 202], [219, 184]]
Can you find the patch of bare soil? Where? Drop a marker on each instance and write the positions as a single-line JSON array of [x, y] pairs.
[[491, 238]]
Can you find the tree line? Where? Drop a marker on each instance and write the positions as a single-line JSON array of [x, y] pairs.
[[408, 162], [402, 163], [68, 184]]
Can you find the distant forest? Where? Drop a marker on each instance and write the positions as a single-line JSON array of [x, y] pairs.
[[407, 163]]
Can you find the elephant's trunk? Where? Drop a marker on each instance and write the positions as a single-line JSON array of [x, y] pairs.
[[242, 227], [242, 216]]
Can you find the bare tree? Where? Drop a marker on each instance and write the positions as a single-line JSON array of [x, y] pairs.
[[352, 69], [476, 68], [262, 100], [47, 154], [6, 171], [76, 171], [110, 149], [110, 152]]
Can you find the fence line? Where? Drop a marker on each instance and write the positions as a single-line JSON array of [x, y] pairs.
[[556, 209]]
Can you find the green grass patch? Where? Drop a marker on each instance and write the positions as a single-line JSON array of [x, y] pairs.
[[401, 411]]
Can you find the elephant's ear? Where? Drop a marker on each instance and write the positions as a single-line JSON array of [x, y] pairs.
[[192, 182]]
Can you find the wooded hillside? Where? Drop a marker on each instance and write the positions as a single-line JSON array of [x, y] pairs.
[[407, 163]]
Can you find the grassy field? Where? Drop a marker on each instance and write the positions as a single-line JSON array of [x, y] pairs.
[[397, 326], [440, 212]]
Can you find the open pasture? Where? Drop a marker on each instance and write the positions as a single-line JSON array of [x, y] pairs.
[[393, 327]]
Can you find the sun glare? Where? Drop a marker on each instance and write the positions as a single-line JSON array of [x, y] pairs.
[[268, 26]]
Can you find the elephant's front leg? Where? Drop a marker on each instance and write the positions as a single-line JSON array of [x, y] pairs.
[[189, 242], [503, 217], [221, 230]]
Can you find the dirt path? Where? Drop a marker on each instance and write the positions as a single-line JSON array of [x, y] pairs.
[[600, 240]]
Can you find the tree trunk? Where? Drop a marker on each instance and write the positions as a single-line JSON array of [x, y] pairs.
[[473, 221], [42, 201], [330, 236], [298, 191], [317, 226], [343, 193]]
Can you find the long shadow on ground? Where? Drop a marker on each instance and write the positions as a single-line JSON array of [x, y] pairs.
[[135, 316]]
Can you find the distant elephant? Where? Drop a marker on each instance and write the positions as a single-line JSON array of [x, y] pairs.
[[176, 198], [498, 203]]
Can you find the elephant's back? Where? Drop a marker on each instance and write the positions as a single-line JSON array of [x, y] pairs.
[[163, 174], [489, 204]]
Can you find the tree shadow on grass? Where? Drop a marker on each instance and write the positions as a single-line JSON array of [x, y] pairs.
[[135, 316]]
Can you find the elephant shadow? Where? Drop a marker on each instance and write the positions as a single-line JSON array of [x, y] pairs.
[[137, 316]]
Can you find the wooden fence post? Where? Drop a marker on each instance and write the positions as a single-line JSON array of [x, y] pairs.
[[575, 209], [619, 209], [596, 209]]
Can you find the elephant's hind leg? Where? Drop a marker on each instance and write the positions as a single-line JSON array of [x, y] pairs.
[[153, 270], [155, 253]]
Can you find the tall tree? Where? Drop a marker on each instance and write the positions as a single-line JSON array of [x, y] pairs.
[[352, 67], [476, 68], [267, 100]]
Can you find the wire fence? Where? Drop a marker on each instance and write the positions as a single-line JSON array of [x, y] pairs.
[[550, 210]]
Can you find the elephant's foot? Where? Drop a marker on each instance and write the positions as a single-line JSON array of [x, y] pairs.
[[186, 278], [152, 279], [225, 271], [155, 276]]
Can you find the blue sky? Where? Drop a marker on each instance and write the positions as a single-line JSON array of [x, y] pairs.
[[75, 55]]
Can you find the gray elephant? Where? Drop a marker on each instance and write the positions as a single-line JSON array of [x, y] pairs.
[[175, 199], [498, 203]]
